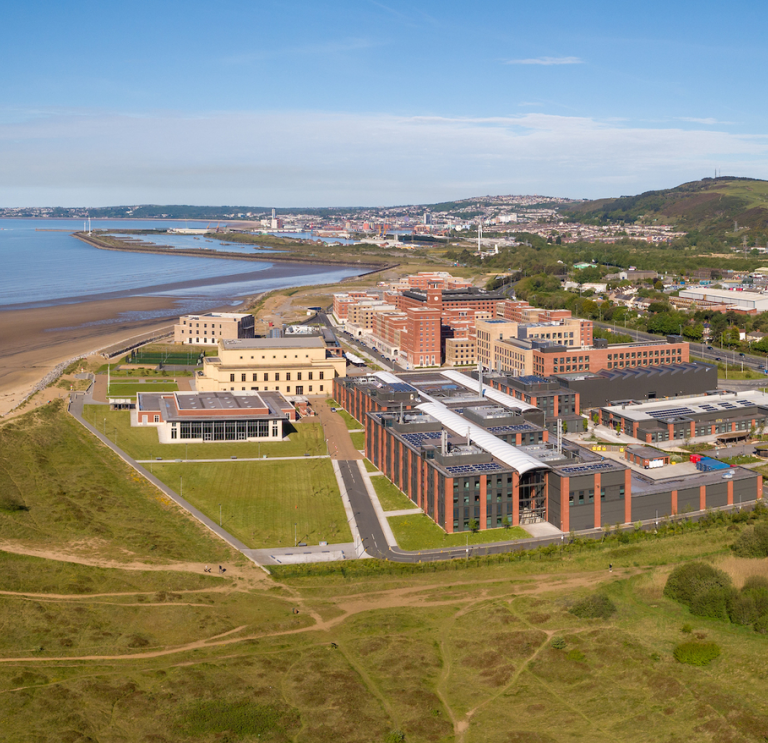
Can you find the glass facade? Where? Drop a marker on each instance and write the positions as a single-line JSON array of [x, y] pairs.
[[224, 430]]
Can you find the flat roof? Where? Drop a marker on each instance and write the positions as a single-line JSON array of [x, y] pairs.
[[678, 407], [311, 341], [218, 401], [647, 452]]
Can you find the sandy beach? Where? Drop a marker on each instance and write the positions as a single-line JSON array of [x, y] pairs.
[[34, 341]]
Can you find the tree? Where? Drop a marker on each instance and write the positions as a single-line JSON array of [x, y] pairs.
[[507, 522], [565, 426], [474, 525]]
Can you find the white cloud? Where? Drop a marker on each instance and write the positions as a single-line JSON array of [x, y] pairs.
[[320, 158], [546, 61]]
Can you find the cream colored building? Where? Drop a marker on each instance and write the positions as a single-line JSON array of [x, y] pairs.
[[293, 366], [210, 328], [460, 352]]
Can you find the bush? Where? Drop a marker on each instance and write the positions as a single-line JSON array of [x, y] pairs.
[[761, 625], [687, 629], [558, 643], [686, 581], [395, 736], [714, 602], [696, 653], [752, 542], [596, 606], [743, 609]]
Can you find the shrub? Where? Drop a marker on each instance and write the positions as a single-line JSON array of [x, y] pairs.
[[687, 628], [696, 653], [714, 602], [558, 643], [752, 542], [395, 736], [686, 581], [596, 606], [761, 625], [743, 609]]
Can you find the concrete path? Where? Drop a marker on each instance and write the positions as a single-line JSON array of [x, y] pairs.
[[404, 512], [231, 459]]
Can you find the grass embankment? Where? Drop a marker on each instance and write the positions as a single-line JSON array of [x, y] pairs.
[[140, 442], [60, 488], [390, 496], [261, 501], [419, 532]]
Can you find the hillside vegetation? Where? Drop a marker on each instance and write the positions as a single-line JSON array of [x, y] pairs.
[[710, 205]]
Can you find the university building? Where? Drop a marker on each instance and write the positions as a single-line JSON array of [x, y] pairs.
[[210, 328], [303, 365], [194, 417], [471, 455]]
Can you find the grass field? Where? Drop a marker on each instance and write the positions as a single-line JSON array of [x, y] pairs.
[[358, 440], [123, 389], [476, 651], [419, 532], [390, 496], [261, 501], [370, 466], [141, 442], [352, 424]]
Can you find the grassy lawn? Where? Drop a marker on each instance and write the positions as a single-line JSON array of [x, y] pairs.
[[61, 489], [123, 389], [419, 532], [352, 424], [141, 442], [370, 466], [741, 459], [358, 440], [390, 496], [141, 372], [261, 501]]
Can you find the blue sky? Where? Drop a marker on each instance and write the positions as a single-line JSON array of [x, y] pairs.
[[374, 103]]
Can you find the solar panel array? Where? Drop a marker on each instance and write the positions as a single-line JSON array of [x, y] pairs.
[[417, 439], [512, 429], [745, 402], [582, 468], [469, 469], [402, 387], [670, 412]]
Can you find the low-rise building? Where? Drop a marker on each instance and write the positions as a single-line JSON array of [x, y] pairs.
[[210, 328], [194, 417], [304, 365]]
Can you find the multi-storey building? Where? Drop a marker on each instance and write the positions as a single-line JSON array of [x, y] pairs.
[[472, 456], [295, 366], [210, 328]]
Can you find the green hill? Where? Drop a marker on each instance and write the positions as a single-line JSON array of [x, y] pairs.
[[710, 205]]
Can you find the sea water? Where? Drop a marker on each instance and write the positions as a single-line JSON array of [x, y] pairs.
[[41, 268]]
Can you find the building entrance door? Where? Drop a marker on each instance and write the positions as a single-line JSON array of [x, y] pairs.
[[299, 390]]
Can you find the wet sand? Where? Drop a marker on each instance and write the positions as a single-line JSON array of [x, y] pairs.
[[34, 341]]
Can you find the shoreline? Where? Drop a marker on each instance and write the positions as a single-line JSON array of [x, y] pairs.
[[221, 254]]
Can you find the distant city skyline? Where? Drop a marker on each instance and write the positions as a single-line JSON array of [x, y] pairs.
[[374, 103]]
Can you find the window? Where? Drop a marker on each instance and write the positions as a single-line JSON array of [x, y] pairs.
[[309, 376], [231, 377], [322, 376], [266, 377], [277, 376], [287, 376], [157, 419], [298, 376], [321, 388], [255, 377], [242, 378]]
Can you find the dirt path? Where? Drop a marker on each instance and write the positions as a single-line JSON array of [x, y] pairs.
[[252, 574], [336, 434]]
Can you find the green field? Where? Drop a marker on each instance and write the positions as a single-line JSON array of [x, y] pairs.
[[419, 532], [352, 424], [261, 501], [141, 442], [358, 440], [123, 389], [390, 496]]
